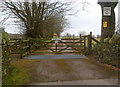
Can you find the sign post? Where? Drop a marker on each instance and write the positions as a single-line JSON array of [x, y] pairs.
[[56, 43], [108, 18]]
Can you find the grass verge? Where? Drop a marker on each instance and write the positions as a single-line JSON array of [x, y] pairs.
[[20, 74]]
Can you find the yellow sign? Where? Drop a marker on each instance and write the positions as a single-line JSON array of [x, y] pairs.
[[55, 35], [104, 24]]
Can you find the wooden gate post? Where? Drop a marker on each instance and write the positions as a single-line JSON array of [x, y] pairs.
[[80, 40], [84, 44], [89, 43]]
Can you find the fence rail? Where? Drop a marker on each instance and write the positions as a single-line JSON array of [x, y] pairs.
[[21, 47]]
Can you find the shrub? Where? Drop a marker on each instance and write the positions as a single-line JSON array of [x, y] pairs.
[[115, 40], [109, 51]]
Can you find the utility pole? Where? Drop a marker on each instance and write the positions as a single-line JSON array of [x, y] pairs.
[[108, 18]]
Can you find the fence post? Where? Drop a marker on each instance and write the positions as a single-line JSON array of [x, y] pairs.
[[26, 52], [89, 43], [73, 38], [29, 46], [80, 40], [21, 48], [84, 44]]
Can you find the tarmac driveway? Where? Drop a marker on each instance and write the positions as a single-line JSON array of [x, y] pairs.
[[71, 71]]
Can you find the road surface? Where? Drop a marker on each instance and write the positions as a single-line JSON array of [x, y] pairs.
[[71, 71]]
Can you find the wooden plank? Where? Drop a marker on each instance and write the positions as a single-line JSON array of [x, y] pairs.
[[95, 40], [67, 49], [68, 42], [77, 45], [65, 39], [63, 49], [53, 52], [49, 48], [14, 53], [25, 47], [25, 40], [85, 36], [12, 41], [68, 52]]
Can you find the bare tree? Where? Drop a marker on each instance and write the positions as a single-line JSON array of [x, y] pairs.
[[55, 24], [33, 15], [36, 18]]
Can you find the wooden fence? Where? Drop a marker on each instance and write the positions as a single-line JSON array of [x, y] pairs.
[[25, 47], [21, 47]]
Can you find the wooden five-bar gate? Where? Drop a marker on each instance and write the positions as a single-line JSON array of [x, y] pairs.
[[64, 45], [83, 44]]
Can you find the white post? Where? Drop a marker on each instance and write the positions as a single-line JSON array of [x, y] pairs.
[[0, 58]]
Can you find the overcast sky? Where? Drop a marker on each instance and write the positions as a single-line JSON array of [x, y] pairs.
[[87, 21]]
